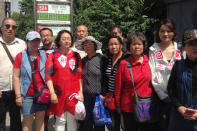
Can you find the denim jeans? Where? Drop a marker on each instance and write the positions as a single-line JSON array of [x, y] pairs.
[[7, 103]]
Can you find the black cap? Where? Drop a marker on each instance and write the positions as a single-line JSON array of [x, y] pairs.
[[190, 35]]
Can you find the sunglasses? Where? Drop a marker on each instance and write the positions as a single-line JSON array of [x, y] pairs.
[[12, 26]]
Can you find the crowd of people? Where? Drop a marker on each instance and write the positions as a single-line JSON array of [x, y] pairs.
[[77, 70]]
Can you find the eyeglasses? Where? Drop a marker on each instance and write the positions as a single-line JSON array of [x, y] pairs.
[[46, 35], [65, 38], [12, 26], [83, 31]]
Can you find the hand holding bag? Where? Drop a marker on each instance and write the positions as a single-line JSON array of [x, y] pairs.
[[80, 111], [42, 94], [145, 109], [100, 113]]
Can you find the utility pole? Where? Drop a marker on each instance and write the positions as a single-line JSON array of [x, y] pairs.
[[35, 19], [7, 8]]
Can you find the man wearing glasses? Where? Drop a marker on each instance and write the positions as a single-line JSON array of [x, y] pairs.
[[7, 96], [47, 37]]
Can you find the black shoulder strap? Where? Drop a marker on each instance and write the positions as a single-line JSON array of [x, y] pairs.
[[32, 70], [130, 71], [53, 57], [8, 52], [77, 59]]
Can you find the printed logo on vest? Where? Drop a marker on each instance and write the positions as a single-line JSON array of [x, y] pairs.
[[62, 60], [159, 55], [72, 64]]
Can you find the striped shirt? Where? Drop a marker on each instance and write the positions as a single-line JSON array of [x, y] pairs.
[[111, 74]]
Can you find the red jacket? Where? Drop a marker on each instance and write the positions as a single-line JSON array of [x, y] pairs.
[[124, 93]]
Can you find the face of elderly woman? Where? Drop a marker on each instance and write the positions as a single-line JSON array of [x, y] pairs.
[[33, 44], [136, 47], [114, 46], [88, 47], [65, 41]]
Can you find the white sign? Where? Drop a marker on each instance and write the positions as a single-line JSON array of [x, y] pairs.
[[53, 13]]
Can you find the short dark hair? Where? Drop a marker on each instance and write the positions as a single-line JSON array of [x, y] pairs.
[[43, 29], [118, 28], [170, 24], [136, 35], [57, 40], [117, 37]]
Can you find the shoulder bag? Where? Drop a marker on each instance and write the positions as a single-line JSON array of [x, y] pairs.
[[145, 109], [42, 93]]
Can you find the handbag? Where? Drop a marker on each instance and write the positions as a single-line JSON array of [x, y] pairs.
[[100, 114], [42, 94], [109, 101], [80, 111], [145, 109]]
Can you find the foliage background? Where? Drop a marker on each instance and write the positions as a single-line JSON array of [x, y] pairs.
[[25, 19], [100, 16]]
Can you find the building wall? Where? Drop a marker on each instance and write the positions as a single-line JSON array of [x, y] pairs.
[[2, 11], [14, 6], [184, 14]]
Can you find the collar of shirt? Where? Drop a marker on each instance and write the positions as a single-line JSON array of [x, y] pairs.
[[13, 42], [135, 62]]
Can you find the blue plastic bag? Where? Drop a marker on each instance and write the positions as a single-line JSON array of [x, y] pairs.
[[100, 113]]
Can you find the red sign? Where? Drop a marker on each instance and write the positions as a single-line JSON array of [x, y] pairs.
[[42, 7]]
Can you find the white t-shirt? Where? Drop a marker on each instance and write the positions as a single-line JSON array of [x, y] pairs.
[[6, 66]]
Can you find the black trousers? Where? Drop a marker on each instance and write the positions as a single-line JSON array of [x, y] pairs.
[[7, 103], [131, 125], [88, 123], [115, 120], [165, 118]]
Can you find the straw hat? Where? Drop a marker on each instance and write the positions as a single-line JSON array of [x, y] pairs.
[[79, 43]]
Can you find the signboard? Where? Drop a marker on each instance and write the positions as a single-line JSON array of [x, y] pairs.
[[55, 29], [53, 13]]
